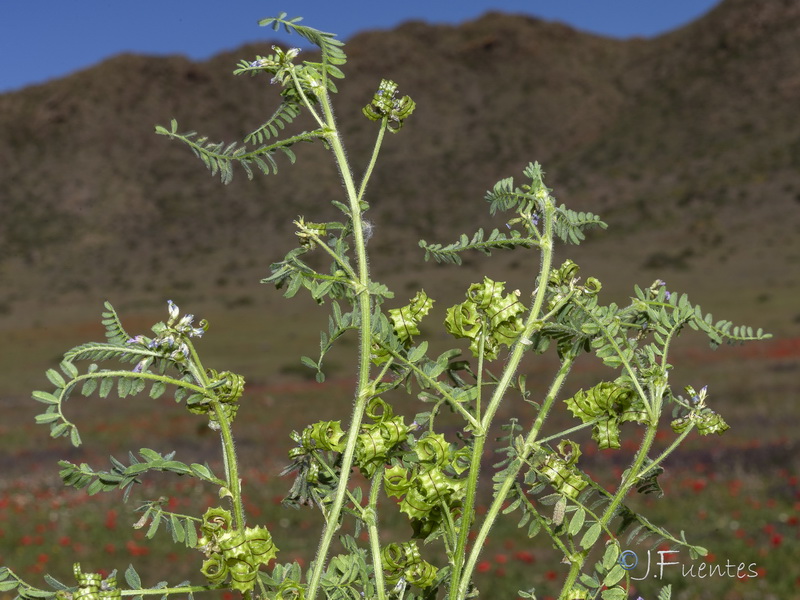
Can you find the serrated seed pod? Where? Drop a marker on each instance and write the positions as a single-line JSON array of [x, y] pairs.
[[215, 569], [261, 545], [243, 574], [395, 481], [433, 448], [378, 410], [216, 521]]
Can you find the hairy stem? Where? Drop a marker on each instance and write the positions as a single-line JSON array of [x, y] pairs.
[[231, 467], [372, 530], [363, 391], [460, 581], [511, 476], [378, 143], [630, 479]]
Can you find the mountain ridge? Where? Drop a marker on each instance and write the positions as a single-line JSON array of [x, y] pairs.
[[682, 142]]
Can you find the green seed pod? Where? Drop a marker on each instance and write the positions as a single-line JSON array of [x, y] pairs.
[[406, 319], [370, 449], [87, 593], [323, 435], [261, 545], [290, 590], [463, 321], [434, 484], [507, 332], [592, 287], [710, 422], [564, 274], [395, 481], [578, 593], [393, 430], [243, 574], [433, 448], [680, 424], [504, 308], [216, 521], [312, 474], [564, 478], [215, 569], [606, 434], [393, 557], [421, 574], [109, 589], [483, 295], [233, 545], [110, 594], [404, 560], [378, 410], [231, 387], [416, 504]]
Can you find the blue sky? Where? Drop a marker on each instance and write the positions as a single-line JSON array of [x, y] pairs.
[[41, 39]]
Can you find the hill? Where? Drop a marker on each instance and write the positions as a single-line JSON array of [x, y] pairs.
[[687, 144]]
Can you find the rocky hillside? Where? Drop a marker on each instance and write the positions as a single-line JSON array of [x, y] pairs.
[[688, 144]]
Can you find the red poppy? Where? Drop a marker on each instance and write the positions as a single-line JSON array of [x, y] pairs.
[[525, 556]]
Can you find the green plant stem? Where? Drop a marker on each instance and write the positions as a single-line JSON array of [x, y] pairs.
[[187, 589], [672, 447], [375, 150], [362, 392], [511, 475], [133, 375], [123, 373], [578, 559], [229, 459], [195, 365], [374, 538], [460, 581], [332, 253], [299, 89], [231, 467], [479, 378], [454, 404], [567, 432]]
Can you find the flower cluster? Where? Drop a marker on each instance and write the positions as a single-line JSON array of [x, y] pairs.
[[706, 420], [279, 64], [171, 337]]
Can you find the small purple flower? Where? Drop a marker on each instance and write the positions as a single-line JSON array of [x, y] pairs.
[[662, 283]]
